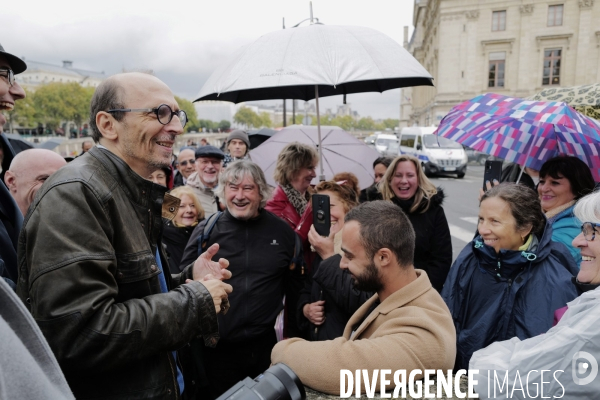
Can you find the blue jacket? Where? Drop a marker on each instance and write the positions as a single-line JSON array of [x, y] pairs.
[[495, 297], [565, 226]]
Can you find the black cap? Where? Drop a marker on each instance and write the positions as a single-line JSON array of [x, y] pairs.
[[16, 64], [209, 151]]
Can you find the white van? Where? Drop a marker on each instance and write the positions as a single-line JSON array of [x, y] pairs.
[[437, 154], [387, 145]]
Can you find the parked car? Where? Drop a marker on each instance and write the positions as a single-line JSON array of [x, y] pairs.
[[370, 140], [387, 145], [478, 157]]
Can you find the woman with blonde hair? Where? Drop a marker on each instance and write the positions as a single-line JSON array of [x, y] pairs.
[[406, 185], [177, 232]]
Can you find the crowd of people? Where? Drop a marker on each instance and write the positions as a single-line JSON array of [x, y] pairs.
[[130, 272]]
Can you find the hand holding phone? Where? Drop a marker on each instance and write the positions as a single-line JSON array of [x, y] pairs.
[[321, 216], [493, 170]]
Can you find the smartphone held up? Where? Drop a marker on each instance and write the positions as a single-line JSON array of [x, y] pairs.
[[321, 216]]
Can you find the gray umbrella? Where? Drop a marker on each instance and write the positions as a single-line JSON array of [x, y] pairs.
[[312, 61], [342, 152]]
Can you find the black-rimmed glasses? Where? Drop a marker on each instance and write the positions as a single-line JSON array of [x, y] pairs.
[[9, 74], [589, 230], [164, 113]]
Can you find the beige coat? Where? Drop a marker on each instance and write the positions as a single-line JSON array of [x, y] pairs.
[[204, 194], [411, 329]]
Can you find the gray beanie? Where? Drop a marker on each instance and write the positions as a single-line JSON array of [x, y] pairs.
[[240, 135]]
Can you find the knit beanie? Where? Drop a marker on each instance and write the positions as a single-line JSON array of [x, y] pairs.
[[240, 135]]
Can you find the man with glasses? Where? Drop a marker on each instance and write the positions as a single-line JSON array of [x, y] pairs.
[[209, 162], [185, 165], [10, 216], [91, 262]]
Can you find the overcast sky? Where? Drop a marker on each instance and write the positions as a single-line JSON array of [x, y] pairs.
[[183, 42]]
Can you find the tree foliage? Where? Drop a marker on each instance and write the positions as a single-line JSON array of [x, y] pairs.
[[190, 110], [245, 116]]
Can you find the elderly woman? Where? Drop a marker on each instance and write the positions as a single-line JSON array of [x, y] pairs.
[[294, 171], [509, 280], [177, 232], [329, 298], [563, 181], [406, 185], [577, 330]]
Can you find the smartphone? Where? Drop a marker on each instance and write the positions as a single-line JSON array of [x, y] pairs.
[[493, 170], [321, 217]]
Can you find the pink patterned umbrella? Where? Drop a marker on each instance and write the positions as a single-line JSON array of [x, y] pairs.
[[523, 131]]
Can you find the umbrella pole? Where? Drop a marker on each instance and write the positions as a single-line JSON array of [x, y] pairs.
[[528, 154], [321, 175]]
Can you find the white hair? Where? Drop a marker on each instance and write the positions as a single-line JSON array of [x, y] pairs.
[[588, 208]]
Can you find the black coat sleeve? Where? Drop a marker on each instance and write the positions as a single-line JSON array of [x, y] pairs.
[[293, 284], [440, 257], [190, 254], [338, 284]]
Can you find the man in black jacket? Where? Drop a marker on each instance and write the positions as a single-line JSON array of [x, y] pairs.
[[91, 262], [260, 248], [10, 216]]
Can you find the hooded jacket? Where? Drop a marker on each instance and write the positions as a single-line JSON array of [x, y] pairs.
[[433, 244], [565, 227], [495, 297]]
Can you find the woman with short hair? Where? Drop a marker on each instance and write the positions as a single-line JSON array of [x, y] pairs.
[[511, 278], [406, 185]]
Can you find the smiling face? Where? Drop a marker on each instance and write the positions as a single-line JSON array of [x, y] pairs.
[[498, 227], [187, 214], [237, 148], [243, 198], [379, 172], [208, 169], [554, 192], [303, 177], [405, 181], [364, 272], [589, 271], [186, 162], [141, 141], [337, 211], [8, 94]]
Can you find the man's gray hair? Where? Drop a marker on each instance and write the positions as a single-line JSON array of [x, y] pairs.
[[587, 208], [236, 171]]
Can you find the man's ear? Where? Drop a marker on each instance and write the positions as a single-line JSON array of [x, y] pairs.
[[106, 124], [384, 257], [11, 181]]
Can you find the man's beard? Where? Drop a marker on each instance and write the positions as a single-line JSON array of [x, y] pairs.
[[369, 280]]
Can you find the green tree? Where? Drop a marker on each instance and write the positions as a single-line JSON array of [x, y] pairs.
[[391, 123], [190, 110], [24, 112], [346, 122], [265, 120], [224, 125], [365, 124]]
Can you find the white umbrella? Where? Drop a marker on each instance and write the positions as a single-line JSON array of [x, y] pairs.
[[312, 61], [342, 152]]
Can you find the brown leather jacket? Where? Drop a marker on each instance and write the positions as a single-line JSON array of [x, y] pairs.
[[88, 274]]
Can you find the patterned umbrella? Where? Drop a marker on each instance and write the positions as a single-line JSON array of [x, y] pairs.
[[523, 131], [583, 98]]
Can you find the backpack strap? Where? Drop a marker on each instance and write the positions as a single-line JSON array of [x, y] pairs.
[[208, 227]]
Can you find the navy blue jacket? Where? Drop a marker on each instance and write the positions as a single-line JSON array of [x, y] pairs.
[[489, 304]]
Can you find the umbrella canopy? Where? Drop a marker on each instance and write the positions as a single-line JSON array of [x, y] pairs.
[[287, 64], [342, 152], [258, 136], [523, 131], [583, 98]]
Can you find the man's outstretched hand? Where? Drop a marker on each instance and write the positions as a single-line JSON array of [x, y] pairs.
[[204, 266]]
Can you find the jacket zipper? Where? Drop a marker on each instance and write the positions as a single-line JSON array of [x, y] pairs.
[[173, 375]]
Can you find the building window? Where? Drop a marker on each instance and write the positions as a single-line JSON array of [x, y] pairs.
[[496, 69], [555, 15], [551, 67], [499, 21]]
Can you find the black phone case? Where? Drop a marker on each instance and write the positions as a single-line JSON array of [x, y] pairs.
[[321, 217], [493, 170]]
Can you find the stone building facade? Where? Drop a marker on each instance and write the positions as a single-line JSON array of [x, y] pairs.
[[510, 47]]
